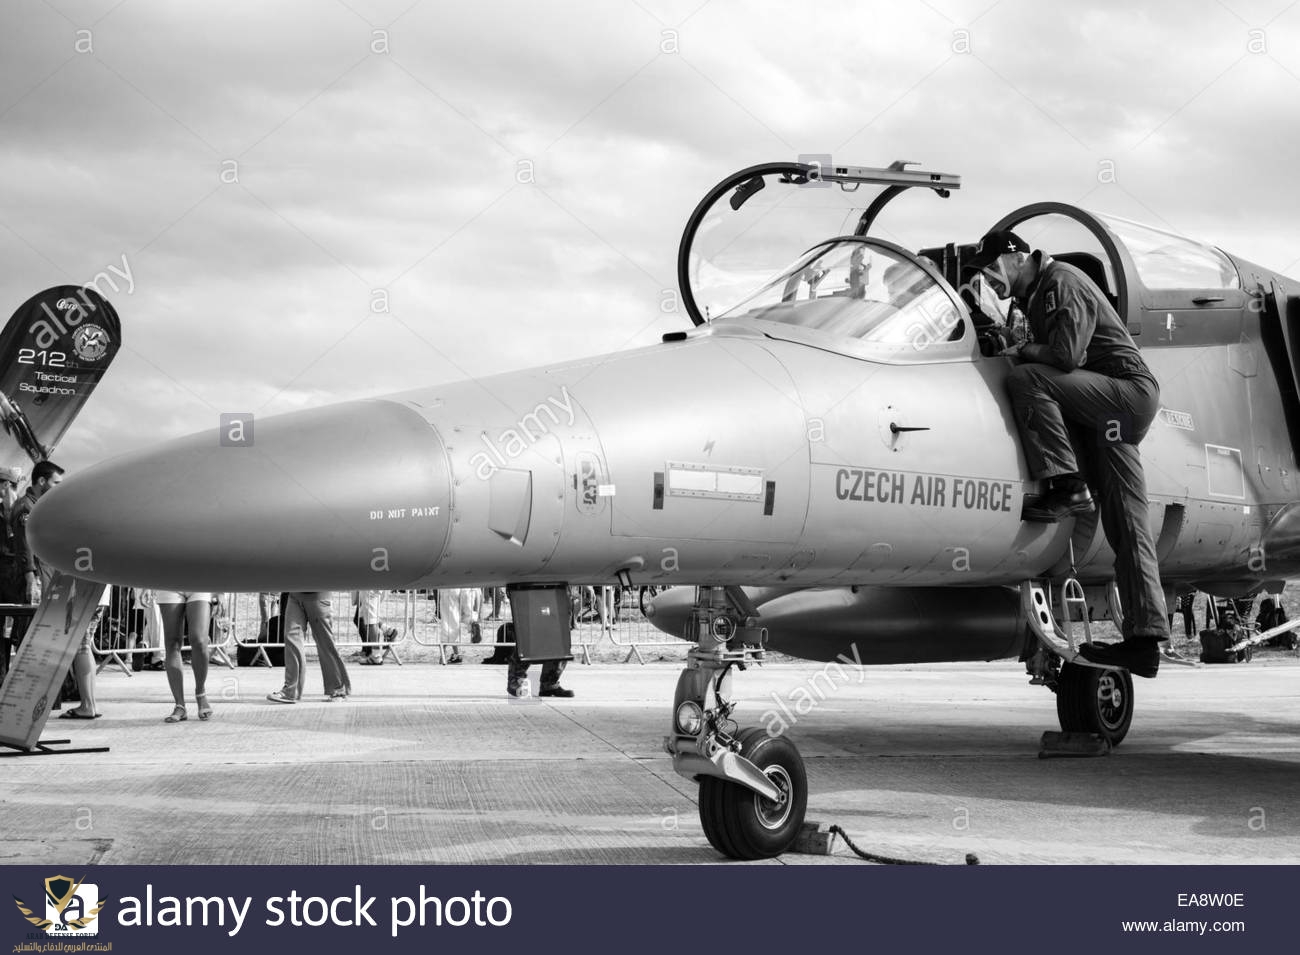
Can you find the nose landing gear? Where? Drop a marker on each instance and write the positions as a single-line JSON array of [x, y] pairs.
[[753, 787], [743, 824]]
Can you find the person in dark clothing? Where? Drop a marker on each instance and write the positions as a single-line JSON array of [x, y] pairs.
[[1187, 607], [1271, 614], [517, 678], [1081, 369], [23, 572], [11, 572], [46, 476]]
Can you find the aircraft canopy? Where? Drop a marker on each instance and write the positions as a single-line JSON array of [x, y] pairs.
[[866, 290], [745, 229]]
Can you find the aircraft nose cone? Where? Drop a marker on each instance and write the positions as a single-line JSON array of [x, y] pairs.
[[351, 496]]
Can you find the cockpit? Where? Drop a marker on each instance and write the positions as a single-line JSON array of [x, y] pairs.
[[864, 290], [865, 296]]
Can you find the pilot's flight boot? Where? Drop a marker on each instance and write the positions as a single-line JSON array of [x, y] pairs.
[[1139, 655], [1066, 497]]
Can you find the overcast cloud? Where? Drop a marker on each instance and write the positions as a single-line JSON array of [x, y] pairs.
[[379, 146]]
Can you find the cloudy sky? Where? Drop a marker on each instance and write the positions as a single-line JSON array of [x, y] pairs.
[[512, 178]]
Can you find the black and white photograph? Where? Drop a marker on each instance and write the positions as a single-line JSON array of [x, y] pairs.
[[648, 434]]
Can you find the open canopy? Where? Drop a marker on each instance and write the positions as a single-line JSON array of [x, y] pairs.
[[750, 225], [789, 246]]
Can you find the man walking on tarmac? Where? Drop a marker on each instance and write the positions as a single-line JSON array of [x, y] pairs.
[[1082, 368]]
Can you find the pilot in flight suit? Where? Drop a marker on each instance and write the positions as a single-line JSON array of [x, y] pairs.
[[1083, 369]]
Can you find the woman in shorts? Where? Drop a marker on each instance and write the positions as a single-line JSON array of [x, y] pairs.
[[178, 608]]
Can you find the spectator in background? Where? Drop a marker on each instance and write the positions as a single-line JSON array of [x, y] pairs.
[[126, 624], [151, 627], [517, 684], [575, 607], [83, 668], [494, 594], [517, 678], [10, 479], [46, 476], [365, 615], [455, 605], [268, 606], [125, 604], [180, 609], [27, 569], [602, 601], [1270, 615], [219, 629], [300, 610], [1187, 608], [11, 572]]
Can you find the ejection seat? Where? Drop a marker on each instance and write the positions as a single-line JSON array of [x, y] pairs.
[[1091, 266]]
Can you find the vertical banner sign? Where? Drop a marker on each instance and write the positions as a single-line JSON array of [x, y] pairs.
[[53, 352], [47, 651]]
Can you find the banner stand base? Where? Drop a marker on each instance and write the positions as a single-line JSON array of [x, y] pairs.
[[42, 748]]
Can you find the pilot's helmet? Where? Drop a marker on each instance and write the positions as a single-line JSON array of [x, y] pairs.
[[996, 244]]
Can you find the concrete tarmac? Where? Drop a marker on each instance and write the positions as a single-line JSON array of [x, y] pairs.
[[432, 764]]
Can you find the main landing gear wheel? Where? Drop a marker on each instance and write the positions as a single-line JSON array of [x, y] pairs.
[[744, 825], [1092, 700]]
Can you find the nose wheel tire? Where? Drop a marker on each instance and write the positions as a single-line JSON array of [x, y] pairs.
[[1092, 700], [741, 824]]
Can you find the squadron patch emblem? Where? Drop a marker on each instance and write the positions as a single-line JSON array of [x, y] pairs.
[[90, 343]]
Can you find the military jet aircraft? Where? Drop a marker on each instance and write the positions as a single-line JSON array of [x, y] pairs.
[[830, 430]]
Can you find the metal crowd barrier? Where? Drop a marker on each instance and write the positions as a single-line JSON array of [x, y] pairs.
[[634, 646], [121, 627], [414, 614], [396, 612], [426, 630]]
